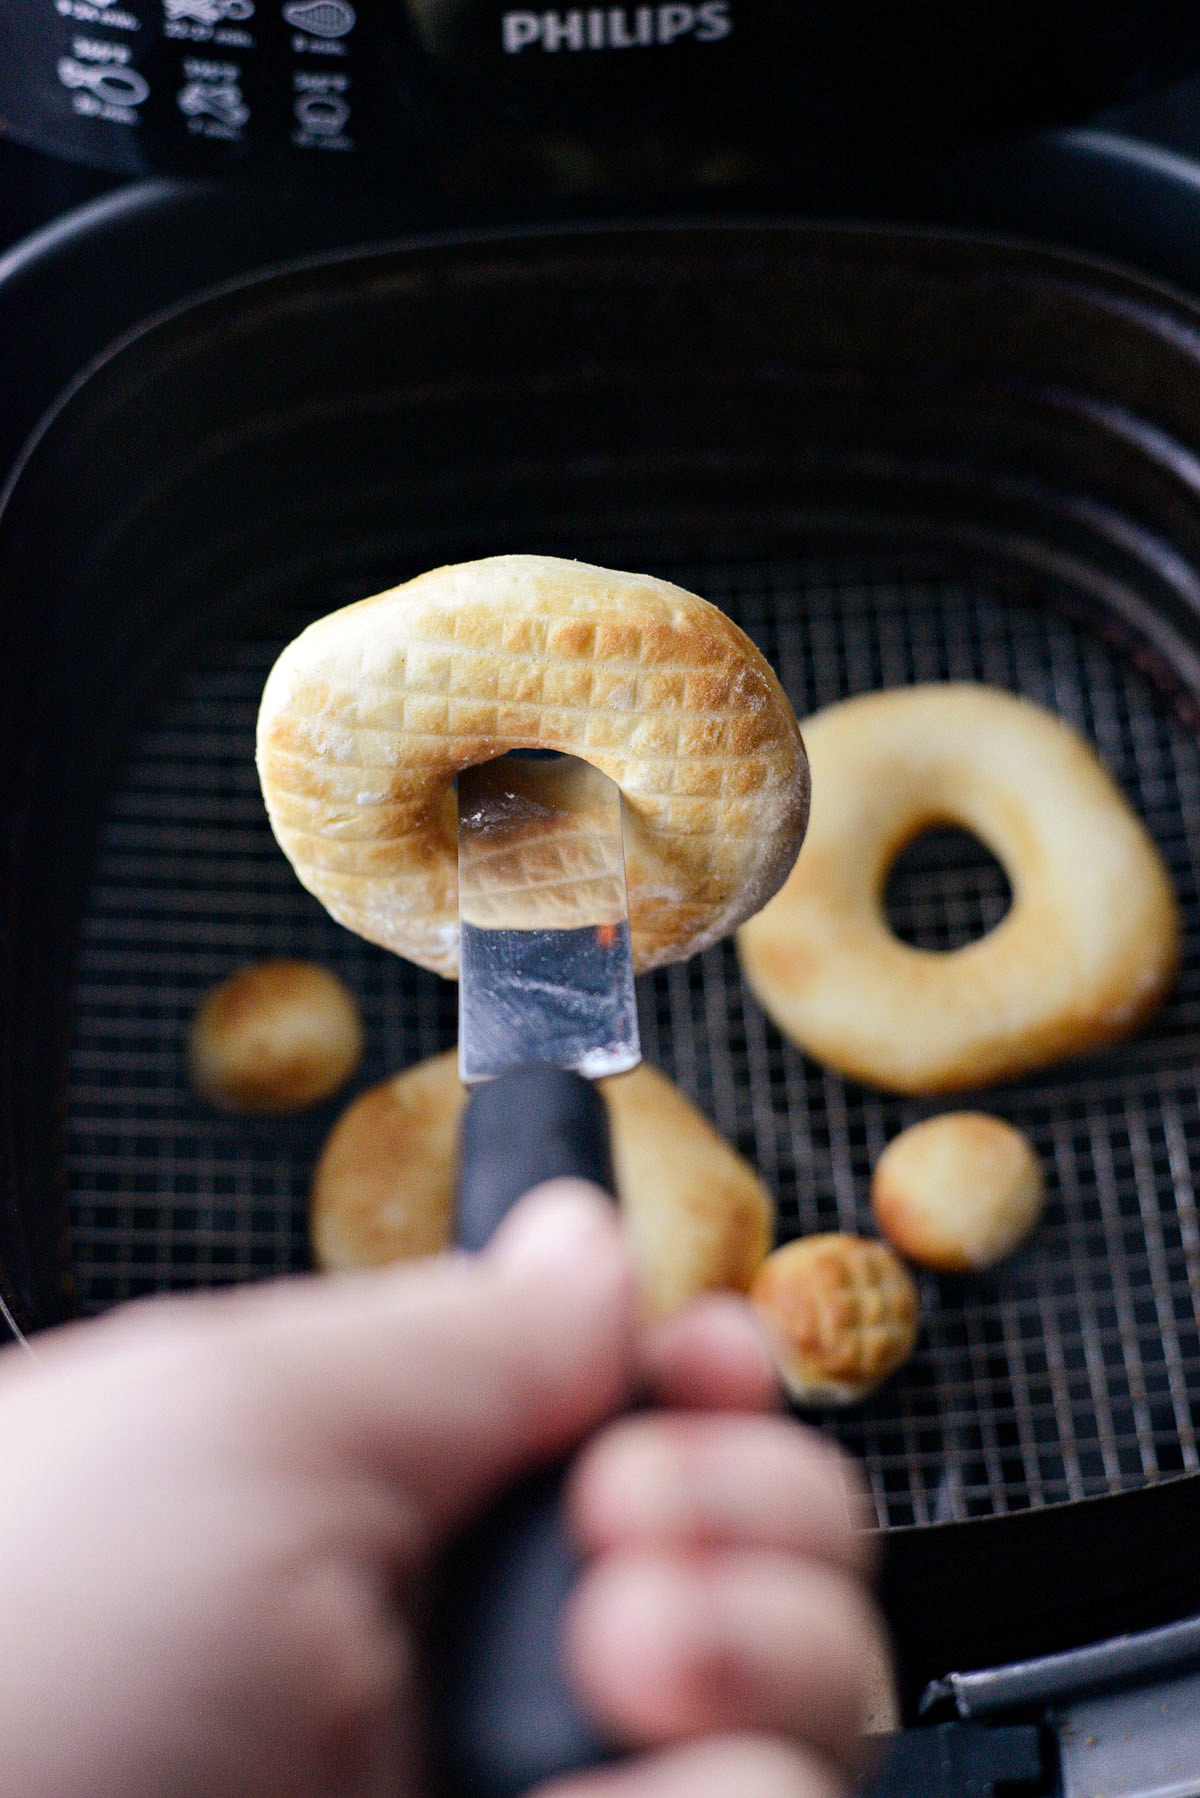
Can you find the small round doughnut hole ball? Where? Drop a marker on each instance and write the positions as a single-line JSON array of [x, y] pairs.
[[841, 1313], [274, 1037], [958, 1192]]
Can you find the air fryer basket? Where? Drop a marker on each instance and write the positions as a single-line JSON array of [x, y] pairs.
[[891, 459]]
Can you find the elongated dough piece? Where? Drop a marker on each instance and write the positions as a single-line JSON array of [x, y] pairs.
[[699, 1218]]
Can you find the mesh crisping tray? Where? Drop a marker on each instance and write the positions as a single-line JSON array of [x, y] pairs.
[[1069, 1372]]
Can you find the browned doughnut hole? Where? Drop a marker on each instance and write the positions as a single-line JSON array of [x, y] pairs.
[[274, 1037]]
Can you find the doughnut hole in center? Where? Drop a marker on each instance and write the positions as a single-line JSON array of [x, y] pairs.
[[945, 889]]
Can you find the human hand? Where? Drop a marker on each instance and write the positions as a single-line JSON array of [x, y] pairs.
[[219, 1516]]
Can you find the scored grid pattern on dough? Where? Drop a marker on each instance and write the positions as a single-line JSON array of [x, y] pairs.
[[462, 693], [549, 851], [562, 884], [705, 773], [1069, 1372], [858, 1317]]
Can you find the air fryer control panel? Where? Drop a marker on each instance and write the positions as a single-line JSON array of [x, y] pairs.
[[318, 87], [565, 99]]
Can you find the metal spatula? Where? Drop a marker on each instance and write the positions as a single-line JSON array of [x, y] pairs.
[[546, 975], [546, 997]]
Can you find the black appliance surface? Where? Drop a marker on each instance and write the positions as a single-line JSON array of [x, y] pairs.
[[122, 252], [893, 457], [482, 96]]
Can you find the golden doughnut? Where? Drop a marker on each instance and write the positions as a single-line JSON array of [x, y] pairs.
[[383, 1189], [1086, 951], [842, 1314], [367, 717], [958, 1192]]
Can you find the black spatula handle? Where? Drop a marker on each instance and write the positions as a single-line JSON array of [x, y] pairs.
[[507, 1718], [537, 1123]]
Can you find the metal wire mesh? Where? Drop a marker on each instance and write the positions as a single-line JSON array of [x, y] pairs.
[[1074, 1369]]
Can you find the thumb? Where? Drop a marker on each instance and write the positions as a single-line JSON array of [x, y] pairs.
[[453, 1376]]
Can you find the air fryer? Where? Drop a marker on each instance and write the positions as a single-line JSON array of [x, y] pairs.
[[891, 457], [894, 451]]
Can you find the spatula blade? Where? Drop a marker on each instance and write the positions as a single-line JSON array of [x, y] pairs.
[[546, 974]]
